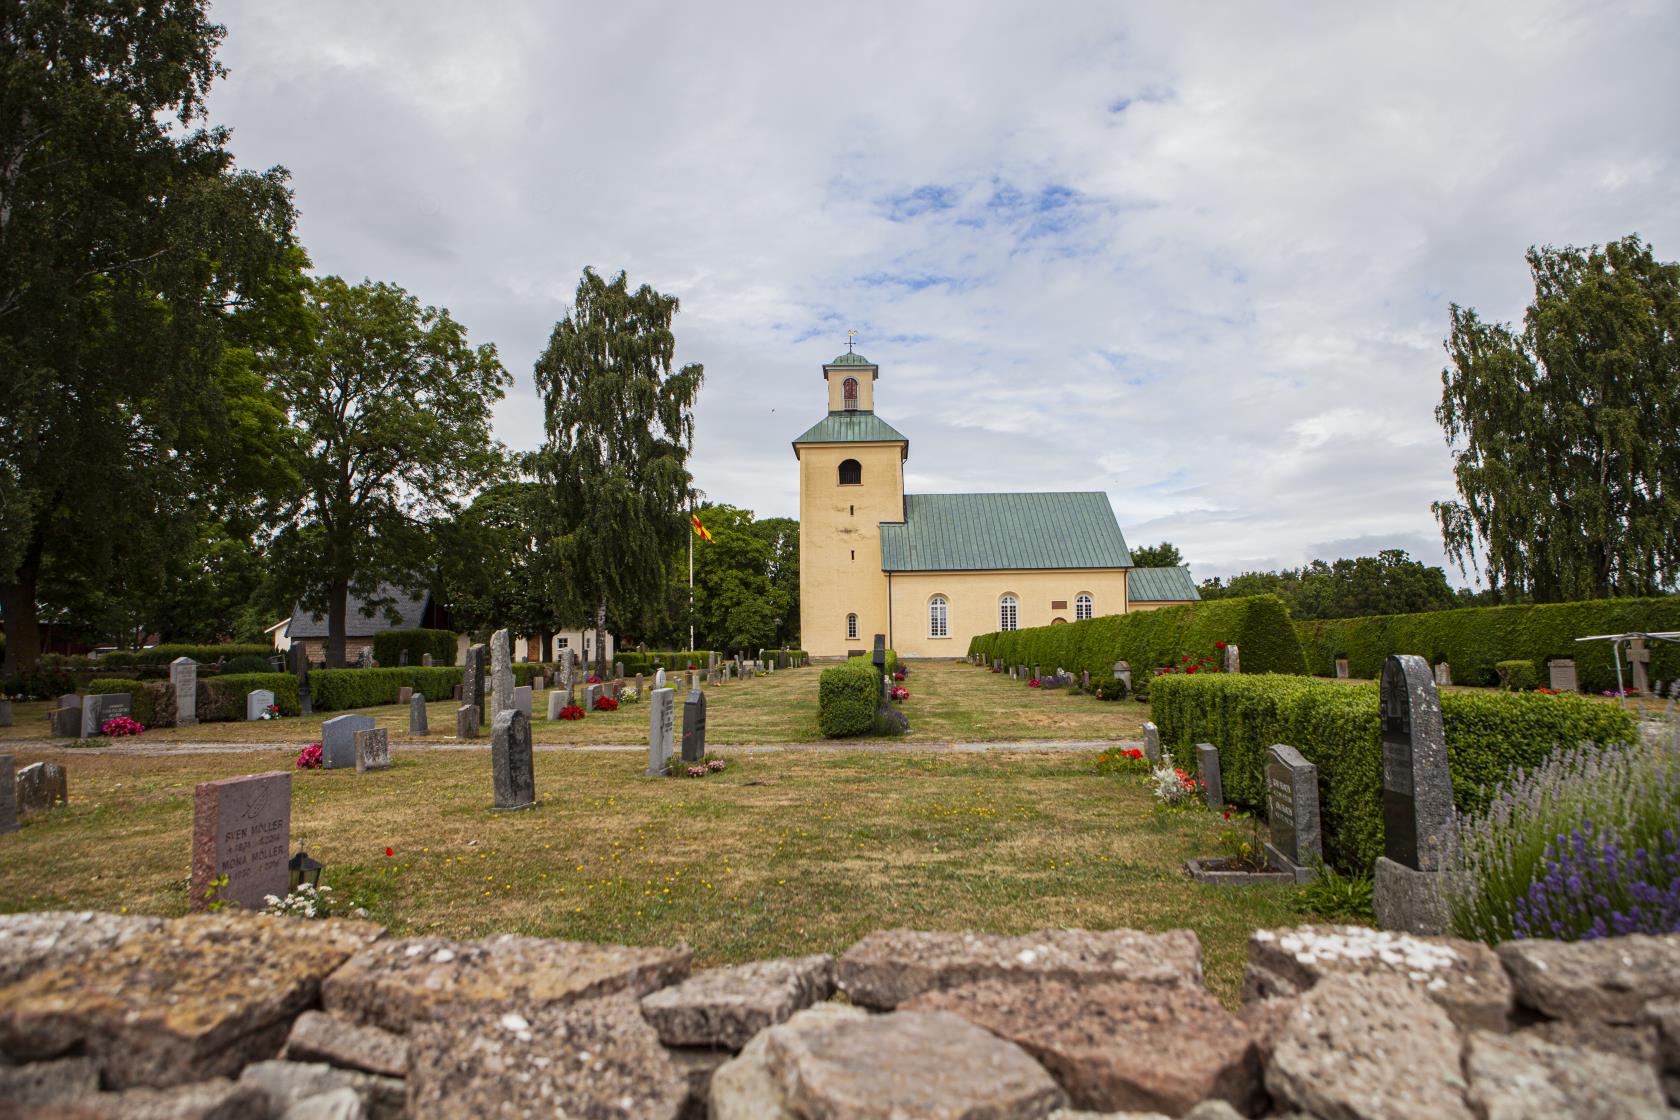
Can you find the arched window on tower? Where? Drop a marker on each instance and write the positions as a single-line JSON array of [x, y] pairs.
[[851, 473], [851, 627], [1007, 614], [939, 619], [848, 392], [1081, 607]]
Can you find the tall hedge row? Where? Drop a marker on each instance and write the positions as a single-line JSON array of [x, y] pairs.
[[1475, 639], [1258, 624], [164, 654], [388, 646], [848, 695], [335, 690], [223, 698], [1337, 728]]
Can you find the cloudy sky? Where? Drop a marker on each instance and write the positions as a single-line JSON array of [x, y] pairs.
[[1199, 257]]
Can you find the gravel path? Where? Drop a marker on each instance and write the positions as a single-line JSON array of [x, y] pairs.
[[452, 744]]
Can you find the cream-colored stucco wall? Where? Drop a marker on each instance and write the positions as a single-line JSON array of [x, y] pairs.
[[837, 375], [840, 542], [973, 597], [1156, 604]]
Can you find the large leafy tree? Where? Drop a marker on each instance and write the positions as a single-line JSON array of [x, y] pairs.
[[1566, 435], [1390, 582], [498, 568], [736, 607], [391, 409], [1163, 555], [130, 247], [620, 426]]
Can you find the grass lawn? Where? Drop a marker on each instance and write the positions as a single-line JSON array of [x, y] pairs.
[[782, 853], [950, 701]]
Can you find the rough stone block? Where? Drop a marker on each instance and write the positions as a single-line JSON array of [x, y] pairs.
[[597, 1058], [890, 966], [1369, 1048], [40, 1084], [195, 998], [288, 1084], [1610, 980], [1117, 1044], [746, 1088], [36, 942], [725, 1007], [1464, 977], [1519, 1077], [319, 1037], [214, 1099], [396, 984]]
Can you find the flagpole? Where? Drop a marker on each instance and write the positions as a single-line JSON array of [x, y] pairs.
[[691, 579]]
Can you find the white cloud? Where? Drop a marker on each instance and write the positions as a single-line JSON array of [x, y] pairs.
[[1199, 257]]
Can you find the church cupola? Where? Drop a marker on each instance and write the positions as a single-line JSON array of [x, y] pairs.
[[851, 381]]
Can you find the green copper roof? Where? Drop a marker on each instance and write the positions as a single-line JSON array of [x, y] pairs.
[[990, 532], [1155, 585], [851, 426], [851, 359]]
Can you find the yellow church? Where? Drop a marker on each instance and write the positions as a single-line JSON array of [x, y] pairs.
[[930, 571]]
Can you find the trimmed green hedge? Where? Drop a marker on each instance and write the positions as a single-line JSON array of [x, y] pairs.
[[389, 644], [848, 695], [1258, 624], [1337, 727], [163, 655], [1518, 676], [1475, 639], [222, 699], [144, 701], [335, 690]]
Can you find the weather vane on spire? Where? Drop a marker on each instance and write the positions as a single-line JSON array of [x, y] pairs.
[[850, 335]]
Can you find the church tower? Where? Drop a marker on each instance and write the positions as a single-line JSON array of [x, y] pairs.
[[851, 478]]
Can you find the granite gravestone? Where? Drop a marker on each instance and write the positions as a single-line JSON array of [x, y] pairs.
[[510, 761], [1297, 845], [659, 677], [466, 721], [472, 681], [1443, 674], [618, 670], [556, 701], [41, 786], [662, 725], [71, 700], [338, 739], [1233, 658], [1562, 675], [1207, 762], [100, 707], [1152, 742], [641, 685], [522, 699], [425, 661], [65, 723], [364, 658], [404, 693], [694, 727], [373, 750], [1341, 669], [183, 678], [241, 829], [417, 715], [591, 693], [257, 702], [300, 666], [8, 793], [1418, 838], [537, 682], [501, 675], [1639, 661]]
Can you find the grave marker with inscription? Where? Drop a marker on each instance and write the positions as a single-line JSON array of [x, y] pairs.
[[1418, 837], [662, 726], [1297, 844], [1152, 742], [417, 715], [183, 678], [466, 722], [1207, 761], [257, 702], [241, 829], [511, 762], [522, 699], [338, 739], [694, 727], [373, 750], [472, 681], [103, 706]]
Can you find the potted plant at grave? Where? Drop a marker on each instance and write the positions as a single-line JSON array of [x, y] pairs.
[[1244, 859]]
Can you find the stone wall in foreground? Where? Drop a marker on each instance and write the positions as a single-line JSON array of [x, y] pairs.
[[224, 1015]]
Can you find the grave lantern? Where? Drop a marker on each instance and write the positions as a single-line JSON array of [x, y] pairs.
[[305, 869]]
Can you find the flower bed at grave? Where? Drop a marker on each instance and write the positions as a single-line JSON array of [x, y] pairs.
[[309, 758], [571, 711], [605, 704], [120, 726]]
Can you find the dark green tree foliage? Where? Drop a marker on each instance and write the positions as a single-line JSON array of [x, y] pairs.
[[1163, 555], [130, 250], [737, 603], [392, 411], [1566, 436], [1390, 582], [620, 428], [497, 568]]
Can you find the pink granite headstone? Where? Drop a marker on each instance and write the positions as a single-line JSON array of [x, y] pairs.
[[241, 829]]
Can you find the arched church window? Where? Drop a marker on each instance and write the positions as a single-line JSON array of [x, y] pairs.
[[851, 626], [1007, 614], [848, 392], [938, 617], [851, 473], [1081, 607]]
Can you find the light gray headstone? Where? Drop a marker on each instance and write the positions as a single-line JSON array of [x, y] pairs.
[[426, 660], [501, 675], [1563, 677], [537, 682], [417, 715], [373, 750], [522, 699], [1292, 807], [662, 727], [591, 693], [1207, 763], [338, 739], [1341, 668], [556, 701], [511, 762], [241, 829], [1152, 742], [100, 707], [618, 669], [641, 685], [71, 700], [1233, 658], [694, 727], [466, 721], [257, 702], [183, 678], [1443, 674], [659, 677]]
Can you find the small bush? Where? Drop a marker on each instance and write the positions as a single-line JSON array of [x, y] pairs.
[[1335, 897], [388, 646], [1517, 676], [847, 698], [40, 684], [1110, 689]]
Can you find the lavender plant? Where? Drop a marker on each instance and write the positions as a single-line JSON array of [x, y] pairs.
[[1583, 846]]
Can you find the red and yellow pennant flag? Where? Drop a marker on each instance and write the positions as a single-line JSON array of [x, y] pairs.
[[699, 529]]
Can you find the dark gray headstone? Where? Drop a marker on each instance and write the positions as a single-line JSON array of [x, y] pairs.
[[472, 683], [1297, 844], [338, 739], [99, 707], [65, 723], [1152, 742], [40, 786], [373, 750], [510, 760], [417, 715], [1417, 785], [1207, 762], [694, 727], [402, 658], [241, 829], [879, 654], [662, 725], [300, 666], [8, 793], [71, 700], [183, 678], [466, 721]]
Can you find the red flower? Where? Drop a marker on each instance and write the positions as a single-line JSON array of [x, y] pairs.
[[390, 852], [1218, 645], [1227, 814]]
